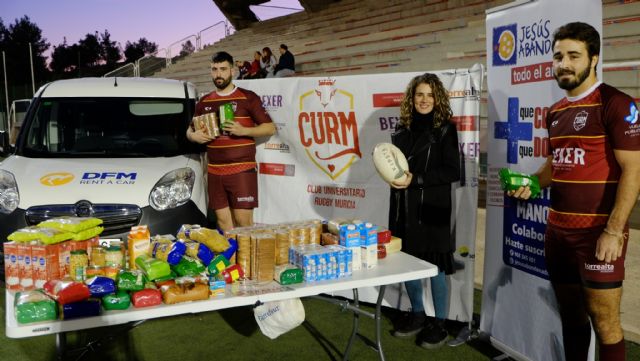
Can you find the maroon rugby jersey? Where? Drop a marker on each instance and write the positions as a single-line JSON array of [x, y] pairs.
[[230, 154], [583, 134]]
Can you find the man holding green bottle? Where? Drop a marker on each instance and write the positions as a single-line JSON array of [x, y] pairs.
[[594, 174]]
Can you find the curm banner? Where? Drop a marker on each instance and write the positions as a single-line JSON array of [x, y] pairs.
[[518, 305], [319, 163]]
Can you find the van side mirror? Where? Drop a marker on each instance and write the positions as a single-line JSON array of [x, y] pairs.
[[5, 145]]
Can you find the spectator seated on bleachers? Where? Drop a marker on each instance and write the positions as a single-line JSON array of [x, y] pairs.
[[243, 69], [287, 64], [268, 61], [255, 71]]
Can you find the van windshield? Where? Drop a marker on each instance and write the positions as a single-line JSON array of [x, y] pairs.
[[109, 127]]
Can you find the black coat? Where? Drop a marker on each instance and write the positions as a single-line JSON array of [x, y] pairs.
[[421, 213]]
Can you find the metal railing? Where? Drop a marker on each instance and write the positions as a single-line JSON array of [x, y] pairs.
[[163, 58]]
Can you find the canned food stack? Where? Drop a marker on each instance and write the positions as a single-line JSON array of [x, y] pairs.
[[282, 247], [243, 256], [263, 256]]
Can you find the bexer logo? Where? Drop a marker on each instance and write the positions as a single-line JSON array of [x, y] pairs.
[[504, 45], [330, 137], [513, 131], [56, 179]]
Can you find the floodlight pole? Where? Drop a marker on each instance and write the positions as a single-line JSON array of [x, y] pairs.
[[33, 83], [6, 88]]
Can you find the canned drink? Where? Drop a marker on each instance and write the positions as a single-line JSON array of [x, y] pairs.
[[226, 114]]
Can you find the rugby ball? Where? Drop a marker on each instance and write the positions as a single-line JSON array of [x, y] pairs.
[[390, 162]]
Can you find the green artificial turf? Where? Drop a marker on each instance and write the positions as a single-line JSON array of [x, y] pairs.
[[232, 334]]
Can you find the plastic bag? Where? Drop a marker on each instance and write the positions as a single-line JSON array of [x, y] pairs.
[[34, 306], [71, 224], [278, 317], [44, 235]]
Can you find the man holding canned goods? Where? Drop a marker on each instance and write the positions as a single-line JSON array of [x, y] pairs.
[[232, 173]]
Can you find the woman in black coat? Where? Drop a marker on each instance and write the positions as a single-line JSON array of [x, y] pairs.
[[420, 207]]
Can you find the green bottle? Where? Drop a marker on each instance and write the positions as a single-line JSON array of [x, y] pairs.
[[511, 181]]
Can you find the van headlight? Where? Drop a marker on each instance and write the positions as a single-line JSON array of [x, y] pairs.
[[173, 189], [9, 195]]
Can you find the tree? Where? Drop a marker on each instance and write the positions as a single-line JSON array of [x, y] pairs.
[[15, 43], [63, 59], [136, 50], [111, 53], [187, 48], [89, 51]]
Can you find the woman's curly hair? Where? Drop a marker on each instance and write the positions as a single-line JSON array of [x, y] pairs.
[[441, 108]]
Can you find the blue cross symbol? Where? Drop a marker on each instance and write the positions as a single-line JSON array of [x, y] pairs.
[[513, 131]]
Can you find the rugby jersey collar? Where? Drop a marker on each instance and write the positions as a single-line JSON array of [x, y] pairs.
[[583, 95], [227, 94]]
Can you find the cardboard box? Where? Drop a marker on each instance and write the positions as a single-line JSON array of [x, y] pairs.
[[11, 268], [64, 252], [25, 266], [45, 263]]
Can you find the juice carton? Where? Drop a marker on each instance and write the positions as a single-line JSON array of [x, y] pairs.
[[11, 268], [45, 263], [25, 266]]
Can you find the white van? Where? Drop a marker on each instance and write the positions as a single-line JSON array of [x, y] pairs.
[[112, 148]]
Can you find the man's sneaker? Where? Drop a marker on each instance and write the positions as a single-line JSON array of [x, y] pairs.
[[433, 335], [410, 324]]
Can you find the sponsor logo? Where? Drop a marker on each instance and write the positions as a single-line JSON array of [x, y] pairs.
[[207, 109], [603, 268], [56, 179], [568, 156], [504, 45], [245, 199], [108, 178], [632, 118], [472, 93], [271, 101], [554, 123], [282, 147], [516, 41], [328, 128], [580, 120]]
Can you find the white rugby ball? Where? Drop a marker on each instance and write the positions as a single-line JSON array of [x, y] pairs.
[[390, 162]]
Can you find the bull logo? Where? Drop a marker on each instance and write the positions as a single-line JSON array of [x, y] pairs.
[[329, 129], [56, 179]]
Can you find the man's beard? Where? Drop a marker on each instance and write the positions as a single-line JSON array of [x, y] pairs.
[[224, 84], [568, 84]]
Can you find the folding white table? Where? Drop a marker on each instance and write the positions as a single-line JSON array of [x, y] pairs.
[[395, 268]]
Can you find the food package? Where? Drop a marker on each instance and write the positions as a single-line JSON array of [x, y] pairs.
[[209, 237], [34, 306], [164, 285], [328, 239], [395, 245], [263, 256], [229, 252], [185, 292], [44, 235], [66, 291], [45, 263], [131, 280], [71, 224], [100, 286], [218, 264], [146, 298], [138, 243], [188, 266], [209, 123], [11, 266], [87, 233], [511, 181], [200, 251], [116, 301], [232, 273], [287, 274], [217, 287], [167, 250], [153, 268], [384, 236], [86, 308], [382, 251]]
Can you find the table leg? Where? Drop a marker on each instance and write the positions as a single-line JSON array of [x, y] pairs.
[[61, 343], [378, 318], [354, 330]]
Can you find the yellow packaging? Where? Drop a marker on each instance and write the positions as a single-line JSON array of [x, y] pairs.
[[138, 243]]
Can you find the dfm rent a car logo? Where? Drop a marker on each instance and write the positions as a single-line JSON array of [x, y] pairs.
[[56, 179], [328, 128], [108, 178]]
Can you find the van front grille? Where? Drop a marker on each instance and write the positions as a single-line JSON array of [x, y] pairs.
[[117, 218]]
